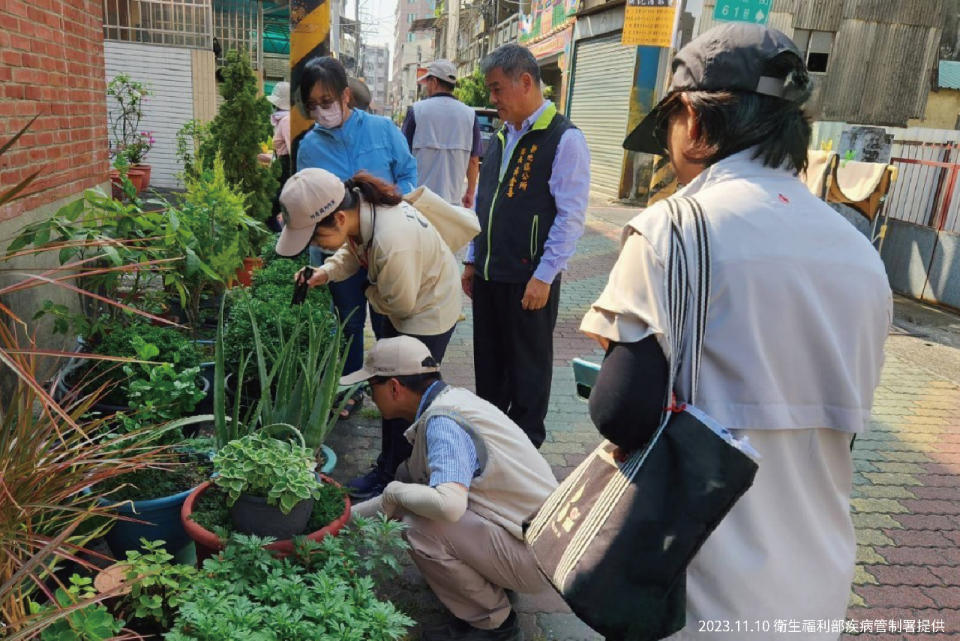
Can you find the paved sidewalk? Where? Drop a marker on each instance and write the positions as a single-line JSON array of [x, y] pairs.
[[906, 504]]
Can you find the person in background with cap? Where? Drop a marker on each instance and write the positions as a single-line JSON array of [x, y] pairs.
[[531, 202], [345, 141], [280, 119], [444, 136], [794, 339], [359, 94], [412, 277], [472, 478]]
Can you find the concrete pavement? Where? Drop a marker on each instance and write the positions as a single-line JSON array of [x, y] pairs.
[[906, 503]]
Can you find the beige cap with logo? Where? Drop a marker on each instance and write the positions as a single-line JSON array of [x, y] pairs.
[[309, 196], [397, 356], [442, 70]]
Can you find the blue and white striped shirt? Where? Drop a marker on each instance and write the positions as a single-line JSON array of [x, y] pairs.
[[451, 454]]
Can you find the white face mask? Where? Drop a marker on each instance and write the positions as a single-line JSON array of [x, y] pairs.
[[330, 117]]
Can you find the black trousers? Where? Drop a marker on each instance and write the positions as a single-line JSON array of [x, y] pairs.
[[513, 352], [394, 447]]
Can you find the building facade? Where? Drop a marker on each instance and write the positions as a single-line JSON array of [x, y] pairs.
[[376, 74], [173, 47], [413, 46]]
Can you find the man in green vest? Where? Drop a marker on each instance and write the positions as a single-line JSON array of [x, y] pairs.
[[531, 201]]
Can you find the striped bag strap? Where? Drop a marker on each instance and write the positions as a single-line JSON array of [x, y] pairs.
[[687, 299]]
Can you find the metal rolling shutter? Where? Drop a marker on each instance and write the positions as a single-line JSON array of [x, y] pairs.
[[168, 73], [600, 106]]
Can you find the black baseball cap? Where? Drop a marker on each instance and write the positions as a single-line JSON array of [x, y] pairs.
[[735, 56]]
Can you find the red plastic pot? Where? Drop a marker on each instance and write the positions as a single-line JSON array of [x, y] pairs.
[[209, 544]]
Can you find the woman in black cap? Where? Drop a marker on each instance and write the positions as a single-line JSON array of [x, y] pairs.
[[794, 335]]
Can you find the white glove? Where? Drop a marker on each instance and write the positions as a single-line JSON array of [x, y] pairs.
[[445, 502]]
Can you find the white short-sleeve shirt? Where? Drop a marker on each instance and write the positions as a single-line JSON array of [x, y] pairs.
[[800, 304]]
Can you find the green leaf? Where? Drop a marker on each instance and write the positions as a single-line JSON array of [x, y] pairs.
[[71, 211]]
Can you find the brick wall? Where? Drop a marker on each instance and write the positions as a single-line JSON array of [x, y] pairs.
[[51, 63]]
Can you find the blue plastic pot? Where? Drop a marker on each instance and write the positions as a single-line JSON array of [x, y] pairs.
[[331, 460], [163, 516]]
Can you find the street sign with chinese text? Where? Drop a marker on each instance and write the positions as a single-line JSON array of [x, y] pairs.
[[757, 11], [649, 23]]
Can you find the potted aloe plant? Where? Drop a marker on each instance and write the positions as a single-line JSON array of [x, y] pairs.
[[295, 385]]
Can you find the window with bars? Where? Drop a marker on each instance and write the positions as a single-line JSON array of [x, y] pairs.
[[179, 23], [237, 24]]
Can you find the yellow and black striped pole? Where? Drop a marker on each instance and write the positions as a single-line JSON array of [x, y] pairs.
[[309, 38], [663, 182]]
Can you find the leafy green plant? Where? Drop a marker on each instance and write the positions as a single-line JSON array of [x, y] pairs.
[[117, 251], [223, 235], [325, 592], [156, 391], [93, 622], [268, 304], [159, 392], [191, 137], [157, 585], [241, 124], [301, 387], [148, 483], [472, 90], [211, 512], [261, 465]]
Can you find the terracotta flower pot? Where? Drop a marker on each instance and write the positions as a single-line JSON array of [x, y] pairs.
[[208, 544], [146, 174], [116, 185], [136, 176], [245, 273]]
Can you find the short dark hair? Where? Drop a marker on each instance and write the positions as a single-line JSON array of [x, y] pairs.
[[731, 121], [513, 60], [325, 70], [418, 383], [373, 190], [448, 86]]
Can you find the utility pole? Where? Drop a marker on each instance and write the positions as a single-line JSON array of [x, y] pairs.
[[309, 38], [359, 56], [453, 27]]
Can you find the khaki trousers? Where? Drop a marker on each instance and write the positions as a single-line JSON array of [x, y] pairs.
[[468, 564]]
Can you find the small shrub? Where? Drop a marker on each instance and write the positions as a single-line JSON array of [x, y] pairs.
[[269, 302], [89, 623], [241, 124], [157, 585], [325, 591]]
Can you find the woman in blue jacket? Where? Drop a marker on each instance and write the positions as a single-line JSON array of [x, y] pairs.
[[345, 141]]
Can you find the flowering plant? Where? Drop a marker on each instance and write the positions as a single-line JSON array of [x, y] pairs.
[[138, 149], [125, 110]]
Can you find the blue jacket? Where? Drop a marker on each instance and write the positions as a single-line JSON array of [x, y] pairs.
[[364, 142]]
